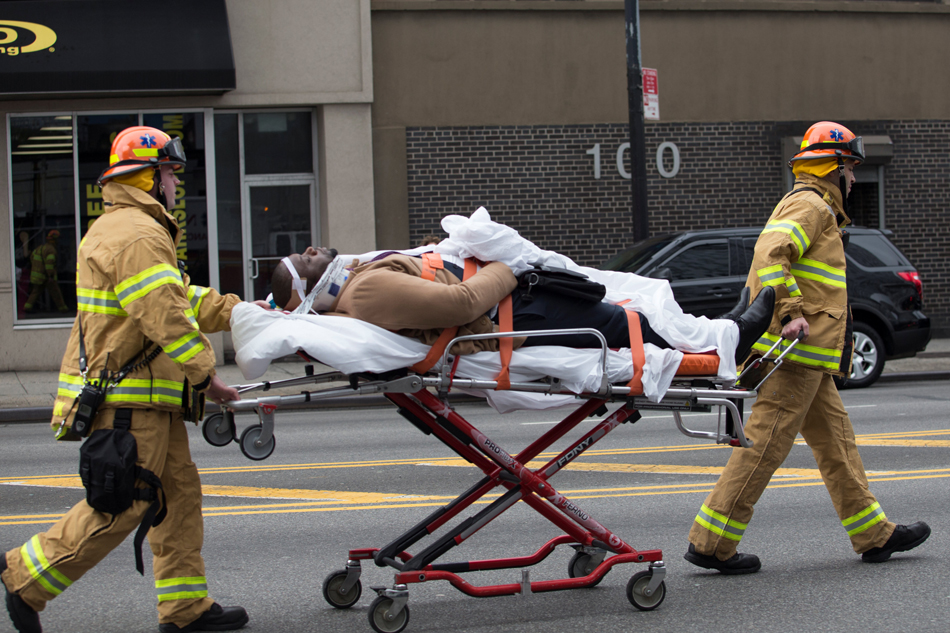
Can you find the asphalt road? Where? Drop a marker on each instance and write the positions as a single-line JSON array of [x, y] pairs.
[[342, 479]]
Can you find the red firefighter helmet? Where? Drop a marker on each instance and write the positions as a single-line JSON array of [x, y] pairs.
[[142, 147]]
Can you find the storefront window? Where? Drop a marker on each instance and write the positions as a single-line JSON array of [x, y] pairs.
[[228, 180], [44, 212]]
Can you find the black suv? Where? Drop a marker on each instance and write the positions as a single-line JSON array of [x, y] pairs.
[[707, 269]]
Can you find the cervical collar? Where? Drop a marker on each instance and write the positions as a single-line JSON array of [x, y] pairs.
[[323, 295]]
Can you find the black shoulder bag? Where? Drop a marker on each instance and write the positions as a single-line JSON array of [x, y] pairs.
[[560, 281], [108, 471]]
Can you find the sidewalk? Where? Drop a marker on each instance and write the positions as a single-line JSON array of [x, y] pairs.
[[29, 395]]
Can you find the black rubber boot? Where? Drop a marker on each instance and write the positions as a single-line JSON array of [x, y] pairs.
[[24, 618], [754, 321], [904, 538], [738, 564], [740, 306], [217, 618]]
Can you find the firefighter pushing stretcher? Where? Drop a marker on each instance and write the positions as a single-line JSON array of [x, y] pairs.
[[135, 360]]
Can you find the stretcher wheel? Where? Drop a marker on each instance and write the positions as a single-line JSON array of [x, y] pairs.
[[378, 616], [215, 436], [332, 594], [638, 582], [581, 566], [250, 449]]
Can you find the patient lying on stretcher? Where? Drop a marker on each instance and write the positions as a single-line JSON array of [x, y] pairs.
[[414, 297]]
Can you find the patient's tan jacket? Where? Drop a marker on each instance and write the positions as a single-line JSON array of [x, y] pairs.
[[392, 294]]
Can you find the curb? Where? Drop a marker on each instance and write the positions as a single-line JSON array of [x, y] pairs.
[[27, 415]]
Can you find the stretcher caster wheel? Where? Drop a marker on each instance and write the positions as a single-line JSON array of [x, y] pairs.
[[332, 590], [250, 447], [217, 431], [582, 565], [639, 582], [382, 621]]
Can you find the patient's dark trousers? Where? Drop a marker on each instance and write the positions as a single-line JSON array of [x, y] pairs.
[[552, 311]]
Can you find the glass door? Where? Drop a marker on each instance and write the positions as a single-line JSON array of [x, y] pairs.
[[278, 221]]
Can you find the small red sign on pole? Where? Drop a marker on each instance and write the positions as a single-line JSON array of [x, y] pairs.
[[651, 95]]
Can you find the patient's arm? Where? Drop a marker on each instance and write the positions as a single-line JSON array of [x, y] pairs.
[[396, 298]]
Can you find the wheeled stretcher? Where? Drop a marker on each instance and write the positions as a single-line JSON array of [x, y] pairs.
[[422, 400]]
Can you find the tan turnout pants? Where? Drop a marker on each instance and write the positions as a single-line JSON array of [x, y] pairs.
[[793, 400], [51, 561]]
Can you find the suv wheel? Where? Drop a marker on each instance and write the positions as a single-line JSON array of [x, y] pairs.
[[868, 358]]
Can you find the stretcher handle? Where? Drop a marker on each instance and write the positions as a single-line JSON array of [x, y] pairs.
[[719, 438], [605, 387], [778, 361], [331, 376]]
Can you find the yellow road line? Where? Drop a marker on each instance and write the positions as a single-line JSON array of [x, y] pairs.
[[336, 501]]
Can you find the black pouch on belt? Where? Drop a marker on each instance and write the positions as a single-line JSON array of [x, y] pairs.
[[108, 471], [560, 281]]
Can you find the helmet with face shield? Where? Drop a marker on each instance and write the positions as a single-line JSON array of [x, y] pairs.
[[142, 147], [827, 139]]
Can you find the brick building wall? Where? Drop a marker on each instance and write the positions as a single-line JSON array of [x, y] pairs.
[[540, 180]]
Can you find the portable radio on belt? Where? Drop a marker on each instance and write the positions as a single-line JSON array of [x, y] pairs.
[[92, 394]]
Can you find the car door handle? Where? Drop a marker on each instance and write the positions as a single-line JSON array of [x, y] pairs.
[[720, 292]]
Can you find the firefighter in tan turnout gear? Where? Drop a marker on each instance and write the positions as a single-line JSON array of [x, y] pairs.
[[138, 336], [800, 253]]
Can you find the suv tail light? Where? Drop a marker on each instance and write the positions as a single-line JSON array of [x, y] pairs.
[[914, 278]]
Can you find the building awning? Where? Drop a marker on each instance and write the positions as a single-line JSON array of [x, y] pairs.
[[51, 48]]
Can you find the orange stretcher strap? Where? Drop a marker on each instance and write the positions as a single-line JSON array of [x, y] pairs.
[[429, 264], [505, 345], [636, 350]]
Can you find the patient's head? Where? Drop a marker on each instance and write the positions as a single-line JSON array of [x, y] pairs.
[[309, 265]]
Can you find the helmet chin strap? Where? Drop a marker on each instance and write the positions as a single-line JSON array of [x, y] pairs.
[[160, 193], [842, 183]]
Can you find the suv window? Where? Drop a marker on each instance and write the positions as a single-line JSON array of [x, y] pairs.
[[630, 260], [698, 261], [874, 251]]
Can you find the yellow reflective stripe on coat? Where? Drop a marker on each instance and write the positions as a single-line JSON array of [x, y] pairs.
[[44, 573], [187, 588], [864, 519], [720, 524], [99, 302], [195, 296], [794, 231], [817, 271], [805, 354], [143, 283], [69, 385], [186, 347], [793, 290], [143, 390], [146, 390], [771, 276]]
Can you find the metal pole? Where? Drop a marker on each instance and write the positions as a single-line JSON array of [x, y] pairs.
[[638, 167]]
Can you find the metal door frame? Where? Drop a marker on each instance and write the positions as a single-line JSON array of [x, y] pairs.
[[247, 245]]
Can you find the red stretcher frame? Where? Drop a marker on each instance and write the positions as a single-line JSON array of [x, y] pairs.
[[416, 400]]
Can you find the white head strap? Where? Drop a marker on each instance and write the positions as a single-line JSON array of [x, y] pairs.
[[299, 285], [324, 294]]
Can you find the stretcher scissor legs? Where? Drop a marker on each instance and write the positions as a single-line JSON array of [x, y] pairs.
[[591, 540]]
